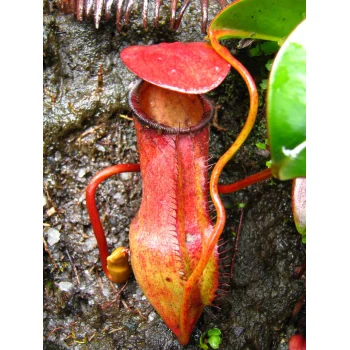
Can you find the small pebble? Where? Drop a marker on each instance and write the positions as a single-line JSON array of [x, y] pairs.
[[238, 331], [90, 244], [51, 211], [92, 259], [53, 236], [66, 286], [82, 172], [100, 147], [58, 156], [82, 197], [263, 152], [119, 198], [151, 316], [125, 176]]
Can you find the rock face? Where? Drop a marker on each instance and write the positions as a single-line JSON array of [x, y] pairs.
[[85, 130], [73, 53]]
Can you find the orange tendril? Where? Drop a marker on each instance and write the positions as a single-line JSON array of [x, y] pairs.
[[214, 191]]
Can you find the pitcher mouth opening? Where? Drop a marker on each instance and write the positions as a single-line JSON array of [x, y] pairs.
[[169, 111]]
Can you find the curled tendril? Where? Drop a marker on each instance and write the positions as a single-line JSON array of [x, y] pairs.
[[123, 8]]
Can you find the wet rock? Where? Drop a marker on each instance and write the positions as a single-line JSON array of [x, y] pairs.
[[238, 331], [73, 53]]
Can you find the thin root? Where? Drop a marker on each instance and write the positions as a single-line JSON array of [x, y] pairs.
[[46, 247]]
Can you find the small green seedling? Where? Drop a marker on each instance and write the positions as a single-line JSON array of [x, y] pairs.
[[212, 337], [268, 65], [263, 84], [264, 49], [262, 145], [241, 205]]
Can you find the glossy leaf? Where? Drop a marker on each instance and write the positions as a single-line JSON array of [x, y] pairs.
[[214, 341], [193, 68], [258, 19], [286, 108], [299, 204], [214, 331]]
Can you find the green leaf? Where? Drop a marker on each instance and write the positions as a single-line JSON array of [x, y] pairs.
[[258, 19], [268, 65], [214, 341], [286, 108], [214, 331], [265, 48], [260, 145], [263, 86], [202, 345]]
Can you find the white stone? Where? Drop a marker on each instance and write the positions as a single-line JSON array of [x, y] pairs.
[[151, 316], [125, 176], [66, 286], [53, 236], [82, 172]]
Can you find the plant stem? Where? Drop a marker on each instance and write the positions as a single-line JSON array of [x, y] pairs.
[[250, 180]]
